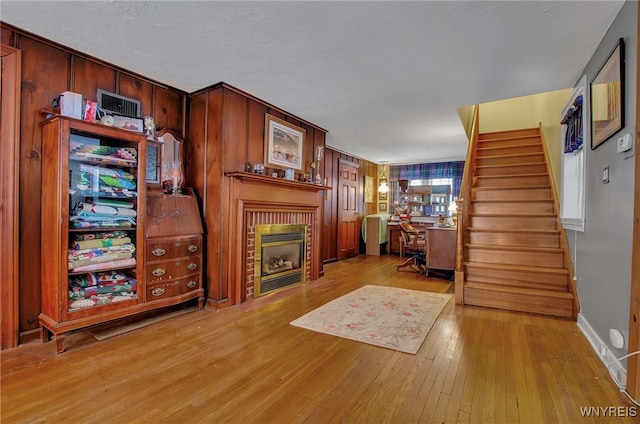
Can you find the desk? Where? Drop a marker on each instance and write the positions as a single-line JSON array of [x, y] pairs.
[[393, 231], [441, 248]]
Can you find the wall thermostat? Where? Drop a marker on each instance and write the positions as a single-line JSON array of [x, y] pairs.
[[625, 143]]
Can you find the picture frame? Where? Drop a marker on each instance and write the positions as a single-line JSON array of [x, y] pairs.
[[368, 189], [382, 196], [607, 97], [129, 123], [382, 207], [283, 144]]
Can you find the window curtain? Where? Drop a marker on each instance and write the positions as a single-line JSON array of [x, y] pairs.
[[573, 120], [427, 171]]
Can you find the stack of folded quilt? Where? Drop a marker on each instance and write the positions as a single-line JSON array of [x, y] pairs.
[[100, 288], [95, 251], [111, 182], [100, 215]]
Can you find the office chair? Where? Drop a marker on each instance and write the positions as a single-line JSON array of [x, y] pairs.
[[414, 244]]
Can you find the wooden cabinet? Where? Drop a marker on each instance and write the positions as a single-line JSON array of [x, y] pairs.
[[441, 249], [94, 214], [174, 247]]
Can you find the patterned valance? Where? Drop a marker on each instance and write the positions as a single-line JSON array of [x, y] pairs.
[[425, 171]]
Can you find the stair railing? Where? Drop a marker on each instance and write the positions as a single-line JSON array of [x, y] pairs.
[[571, 284], [463, 206]]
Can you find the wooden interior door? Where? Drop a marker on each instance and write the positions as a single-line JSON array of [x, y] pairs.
[[348, 212], [9, 142]]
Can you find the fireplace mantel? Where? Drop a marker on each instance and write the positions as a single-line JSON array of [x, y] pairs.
[[258, 199], [298, 185]]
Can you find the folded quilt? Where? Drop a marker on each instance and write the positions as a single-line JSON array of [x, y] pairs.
[[103, 265], [85, 292], [89, 244], [96, 278], [101, 235], [88, 209], [101, 299], [77, 264]]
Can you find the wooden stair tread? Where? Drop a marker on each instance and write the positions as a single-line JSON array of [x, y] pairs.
[[509, 215], [515, 247], [539, 174], [521, 268], [519, 130], [513, 231], [489, 149], [521, 290], [507, 165], [530, 187], [515, 283], [510, 201], [505, 138]]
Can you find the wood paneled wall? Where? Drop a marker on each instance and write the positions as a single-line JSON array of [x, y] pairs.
[[48, 69], [224, 129], [226, 134]]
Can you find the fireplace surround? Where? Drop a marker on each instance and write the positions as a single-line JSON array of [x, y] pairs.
[[256, 200]]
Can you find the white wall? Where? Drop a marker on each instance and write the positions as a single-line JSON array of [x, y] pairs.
[[603, 251]]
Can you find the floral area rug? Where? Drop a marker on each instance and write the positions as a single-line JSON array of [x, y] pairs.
[[389, 317]]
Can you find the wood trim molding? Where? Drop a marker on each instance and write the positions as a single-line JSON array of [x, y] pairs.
[[9, 167], [633, 363]]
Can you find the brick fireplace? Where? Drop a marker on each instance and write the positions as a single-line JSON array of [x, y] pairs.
[[256, 201]]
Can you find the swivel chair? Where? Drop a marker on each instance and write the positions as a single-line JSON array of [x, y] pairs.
[[414, 244]]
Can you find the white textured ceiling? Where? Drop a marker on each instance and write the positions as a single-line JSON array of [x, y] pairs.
[[384, 78]]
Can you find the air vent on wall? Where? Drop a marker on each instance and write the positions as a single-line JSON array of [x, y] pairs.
[[120, 105]]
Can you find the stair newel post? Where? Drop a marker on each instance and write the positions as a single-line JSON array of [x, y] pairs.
[[459, 271]]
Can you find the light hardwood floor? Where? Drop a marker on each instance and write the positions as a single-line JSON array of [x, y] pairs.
[[247, 364]]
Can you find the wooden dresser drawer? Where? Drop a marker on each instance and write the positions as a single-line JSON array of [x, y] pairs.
[[173, 268], [163, 249], [172, 288]]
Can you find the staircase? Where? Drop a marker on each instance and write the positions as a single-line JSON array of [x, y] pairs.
[[514, 248]]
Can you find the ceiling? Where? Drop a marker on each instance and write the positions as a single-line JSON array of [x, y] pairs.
[[385, 78]]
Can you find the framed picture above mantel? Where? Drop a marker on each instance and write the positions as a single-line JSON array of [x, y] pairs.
[[607, 97], [283, 143]]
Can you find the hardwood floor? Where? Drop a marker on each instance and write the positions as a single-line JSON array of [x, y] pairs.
[[247, 364]]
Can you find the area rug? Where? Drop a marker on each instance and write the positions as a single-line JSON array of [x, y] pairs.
[[389, 317]]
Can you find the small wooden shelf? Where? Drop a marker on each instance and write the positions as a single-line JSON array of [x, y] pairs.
[[277, 181]]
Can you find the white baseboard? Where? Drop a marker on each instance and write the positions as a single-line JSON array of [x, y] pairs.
[[617, 371]]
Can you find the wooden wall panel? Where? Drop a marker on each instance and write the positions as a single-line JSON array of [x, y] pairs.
[[195, 147], [255, 133], [234, 130], [213, 201], [49, 69], [45, 74], [138, 89], [169, 109], [87, 76], [6, 36], [330, 207]]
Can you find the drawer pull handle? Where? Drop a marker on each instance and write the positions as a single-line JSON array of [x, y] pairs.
[[157, 291], [158, 272], [192, 266], [191, 284], [158, 252], [178, 244], [192, 248]]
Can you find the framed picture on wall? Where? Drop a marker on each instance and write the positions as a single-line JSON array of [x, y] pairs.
[[382, 207], [382, 196], [368, 189], [283, 143], [607, 97]]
